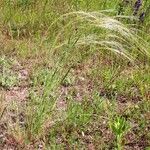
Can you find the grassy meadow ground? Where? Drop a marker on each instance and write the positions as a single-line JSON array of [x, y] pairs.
[[74, 75]]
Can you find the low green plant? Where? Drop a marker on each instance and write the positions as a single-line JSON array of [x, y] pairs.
[[7, 77], [119, 127], [68, 81], [79, 114]]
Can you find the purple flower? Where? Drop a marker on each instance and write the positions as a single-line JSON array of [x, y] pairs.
[[137, 6]]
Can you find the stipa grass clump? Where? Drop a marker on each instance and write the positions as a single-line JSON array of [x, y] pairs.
[[92, 32]]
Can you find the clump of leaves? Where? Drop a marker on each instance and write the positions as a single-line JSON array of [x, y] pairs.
[[7, 77], [68, 81], [119, 127]]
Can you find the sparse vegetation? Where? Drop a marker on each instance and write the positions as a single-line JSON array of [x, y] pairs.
[[74, 74]]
